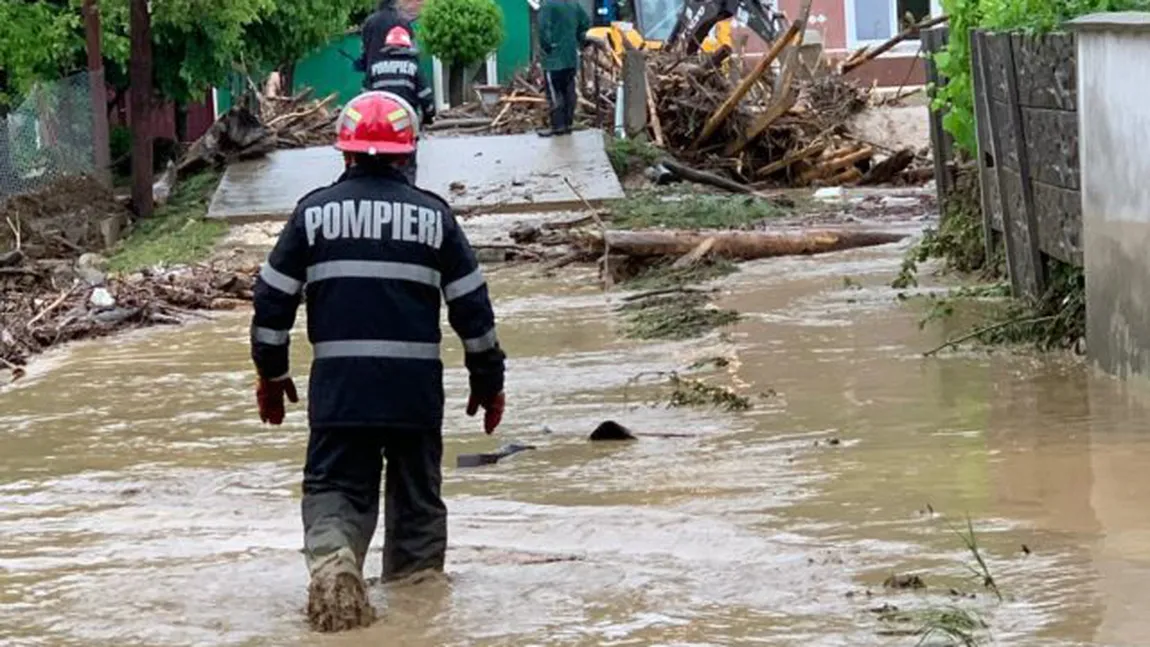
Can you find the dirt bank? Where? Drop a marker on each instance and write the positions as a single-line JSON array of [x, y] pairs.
[[57, 288]]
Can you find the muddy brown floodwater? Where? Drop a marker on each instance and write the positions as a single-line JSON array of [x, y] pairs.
[[142, 503]]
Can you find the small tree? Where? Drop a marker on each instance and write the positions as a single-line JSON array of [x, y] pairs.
[[461, 33]]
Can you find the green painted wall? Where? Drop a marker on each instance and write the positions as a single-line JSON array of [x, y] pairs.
[[515, 52], [329, 70]]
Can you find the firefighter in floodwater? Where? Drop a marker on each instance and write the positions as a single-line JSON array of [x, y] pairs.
[[373, 253]]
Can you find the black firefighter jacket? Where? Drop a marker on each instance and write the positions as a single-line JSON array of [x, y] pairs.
[[373, 255], [397, 71], [374, 32]]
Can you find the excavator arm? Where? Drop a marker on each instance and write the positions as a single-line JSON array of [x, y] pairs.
[[698, 17]]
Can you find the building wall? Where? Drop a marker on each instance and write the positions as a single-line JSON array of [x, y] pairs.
[[1115, 196]]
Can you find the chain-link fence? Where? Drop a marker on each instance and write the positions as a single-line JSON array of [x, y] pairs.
[[48, 136]]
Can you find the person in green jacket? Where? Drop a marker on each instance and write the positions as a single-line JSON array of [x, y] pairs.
[[563, 26]]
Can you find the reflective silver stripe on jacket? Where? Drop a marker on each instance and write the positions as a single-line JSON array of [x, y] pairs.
[[271, 336], [376, 348], [463, 286], [279, 280], [482, 343], [373, 270]]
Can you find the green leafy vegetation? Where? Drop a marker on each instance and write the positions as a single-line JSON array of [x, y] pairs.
[[683, 391], [629, 156], [178, 233], [956, 98], [195, 43], [959, 240], [692, 211], [676, 314], [288, 31], [38, 40], [461, 32], [665, 275]]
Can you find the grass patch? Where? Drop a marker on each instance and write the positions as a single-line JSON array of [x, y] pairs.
[[691, 211], [664, 276], [1056, 321], [949, 625], [679, 315], [178, 233], [629, 156]]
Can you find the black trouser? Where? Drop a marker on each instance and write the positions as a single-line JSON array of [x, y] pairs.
[[561, 96], [341, 496]]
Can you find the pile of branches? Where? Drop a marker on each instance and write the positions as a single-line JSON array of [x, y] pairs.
[[45, 304], [261, 125], [760, 128]]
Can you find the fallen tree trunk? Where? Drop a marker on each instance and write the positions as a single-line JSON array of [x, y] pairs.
[[736, 245], [463, 122]]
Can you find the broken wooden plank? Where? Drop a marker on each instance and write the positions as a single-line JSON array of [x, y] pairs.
[[732, 101], [906, 34]]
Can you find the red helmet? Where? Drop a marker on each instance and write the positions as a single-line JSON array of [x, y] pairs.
[[398, 37], [377, 123]]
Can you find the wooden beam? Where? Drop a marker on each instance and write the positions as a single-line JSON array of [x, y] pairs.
[[783, 98], [140, 77], [728, 106], [910, 32], [97, 90]]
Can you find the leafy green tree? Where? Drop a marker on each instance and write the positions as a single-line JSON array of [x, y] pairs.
[[195, 43], [291, 29], [38, 40], [461, 33]]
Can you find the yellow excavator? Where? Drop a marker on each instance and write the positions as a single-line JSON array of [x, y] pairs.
[[695, 24]]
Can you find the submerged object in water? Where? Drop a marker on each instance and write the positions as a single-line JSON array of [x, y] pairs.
[[611, 430], [490, 458]]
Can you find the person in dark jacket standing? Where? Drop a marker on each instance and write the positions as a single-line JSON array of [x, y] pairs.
[[563, 26], [395, 69], [375, 30], [373, 254]]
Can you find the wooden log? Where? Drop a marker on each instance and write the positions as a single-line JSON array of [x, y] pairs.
[[850, 176], [656, 125], [910, 32], [777, 109], [888, 169], [834, 165], [465, 122], [703, 177], [692, 258], [792, 157], [737, 245], [732, 101]]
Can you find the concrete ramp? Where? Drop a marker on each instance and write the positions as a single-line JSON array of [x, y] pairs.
[[499, 174]]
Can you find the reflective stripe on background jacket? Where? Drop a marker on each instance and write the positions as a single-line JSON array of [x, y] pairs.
[[374, 254]]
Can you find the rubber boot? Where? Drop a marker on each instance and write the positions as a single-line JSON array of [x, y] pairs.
[[337, 596]]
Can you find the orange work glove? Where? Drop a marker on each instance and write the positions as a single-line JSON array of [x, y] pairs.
[[492, 410], [270, 397]]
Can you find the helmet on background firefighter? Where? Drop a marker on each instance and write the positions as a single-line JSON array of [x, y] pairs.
[[377, 123], [398, 37]]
